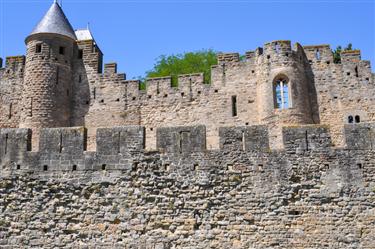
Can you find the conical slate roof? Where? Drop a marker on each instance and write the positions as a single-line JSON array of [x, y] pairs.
[[55, 22]]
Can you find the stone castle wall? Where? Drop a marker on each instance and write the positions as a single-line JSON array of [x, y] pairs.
[[322, 92], [243, 195]]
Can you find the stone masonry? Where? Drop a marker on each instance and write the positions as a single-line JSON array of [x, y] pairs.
[[88, 160]]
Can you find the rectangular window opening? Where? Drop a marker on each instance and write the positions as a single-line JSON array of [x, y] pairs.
[[234, 106], [80, 54], [62, 50], [38, 48], [10, 111]]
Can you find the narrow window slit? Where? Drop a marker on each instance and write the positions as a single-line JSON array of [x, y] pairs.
[[234, 106], [6, 144], [38, 48], [243, 141], [307, 140], [356, 71]]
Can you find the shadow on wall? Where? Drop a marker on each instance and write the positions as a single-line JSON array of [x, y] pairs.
[[81, 96], [312, 91]]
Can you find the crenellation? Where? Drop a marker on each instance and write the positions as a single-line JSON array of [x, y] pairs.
[[307, 138], [110, 68], [158, 87], [72, 140], [223, 58], [319, 54], [120, 140], [278, 145], [248, 138]]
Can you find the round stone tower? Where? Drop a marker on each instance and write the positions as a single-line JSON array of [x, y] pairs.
[[46, 95], [284, 87]]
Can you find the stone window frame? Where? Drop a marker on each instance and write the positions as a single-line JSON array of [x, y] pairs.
[[38, 48], [284, 81], [62, 50]]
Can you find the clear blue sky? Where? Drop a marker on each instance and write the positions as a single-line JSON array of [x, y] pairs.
[[135, 33]]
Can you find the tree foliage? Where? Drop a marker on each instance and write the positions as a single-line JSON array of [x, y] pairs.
[[338, 50], [186, 63]]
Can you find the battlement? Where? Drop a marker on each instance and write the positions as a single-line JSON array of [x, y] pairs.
[[13, 64], [118, 147], [351, 56], [228, 58]]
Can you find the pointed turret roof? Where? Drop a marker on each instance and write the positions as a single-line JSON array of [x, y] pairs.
[[54, 22]]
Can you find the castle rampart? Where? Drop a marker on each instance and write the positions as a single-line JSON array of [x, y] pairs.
[[277, 151], [68, 146], [183, 193]]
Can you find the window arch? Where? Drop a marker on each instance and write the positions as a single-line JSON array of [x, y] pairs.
[[281, 93], [357, 119], [350, 119]]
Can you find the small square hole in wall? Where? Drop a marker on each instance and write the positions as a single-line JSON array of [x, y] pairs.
[[182, 94], [230, 167], [359, 165], [328, 62], [252, 71], [166, 167], [348, 73], [268, 56], [165, 95], [151, 129], [260, 167], [135, 166], [18, 166], [216, 91], [104, 166], [102, 101], [45, 167], [335, 97], [367, 79], [74, 168], [87, 102], [134, 98], [247, 123], [117, 100], [199, 92], [195, 166], [149, 96]]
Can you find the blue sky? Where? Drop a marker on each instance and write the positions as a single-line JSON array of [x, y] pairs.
[[134, 33]]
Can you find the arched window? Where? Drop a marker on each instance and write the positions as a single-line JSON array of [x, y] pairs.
[[350, 119], [357, 119], [317, 54], [281, 93]]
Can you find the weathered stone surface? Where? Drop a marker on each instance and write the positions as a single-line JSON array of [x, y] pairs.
[[303, 196], [199, 165]]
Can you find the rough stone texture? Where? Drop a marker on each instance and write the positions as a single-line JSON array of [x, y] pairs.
[[189, 169], [300, 197], [322, 92]]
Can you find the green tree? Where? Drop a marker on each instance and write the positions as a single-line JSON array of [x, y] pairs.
[[190, 62], [338, 50]]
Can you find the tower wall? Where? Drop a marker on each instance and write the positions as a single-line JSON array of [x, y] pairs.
[[280, 61], [47, 85]]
